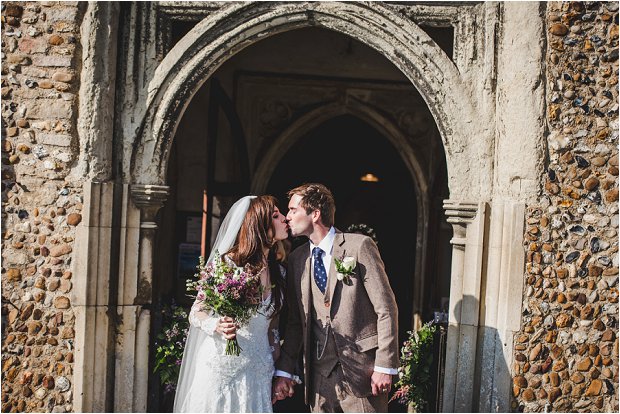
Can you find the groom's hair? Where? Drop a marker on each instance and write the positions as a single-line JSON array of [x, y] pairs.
[[316, 196]]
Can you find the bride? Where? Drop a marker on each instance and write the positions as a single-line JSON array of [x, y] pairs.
[[209, 380]]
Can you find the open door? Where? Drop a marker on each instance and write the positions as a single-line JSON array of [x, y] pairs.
[[226, 182]]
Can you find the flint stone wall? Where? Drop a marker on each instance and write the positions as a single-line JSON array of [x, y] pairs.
[[566, 356], [40, 205]]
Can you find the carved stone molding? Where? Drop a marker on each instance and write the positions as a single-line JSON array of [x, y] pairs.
[[149, 198], [167, 12], [438, 14], [460, 214]]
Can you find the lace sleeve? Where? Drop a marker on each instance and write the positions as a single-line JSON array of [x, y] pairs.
[[202, 320], [274, 337]]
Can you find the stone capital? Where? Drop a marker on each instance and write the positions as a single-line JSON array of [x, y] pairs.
[[460, 214], [149, 198]]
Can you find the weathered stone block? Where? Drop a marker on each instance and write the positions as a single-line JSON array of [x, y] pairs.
[[62, 77], [74, 219], [52, 61], [60, 140], [611, 196], [608, 335], [13, 314], [584, 364], [55, 40], [13, 274], [594, 388], [34, 327], [13, 10], [33, 45], [554, 393], [65, 285], [60, 250], [26, 311], [68, 333], [520, 381], [61, 14], [44, 109], [45, 84], [558, 29], [528, 395]]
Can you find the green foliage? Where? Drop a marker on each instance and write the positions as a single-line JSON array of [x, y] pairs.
[[169, 346], [416, 360], [364, 229]]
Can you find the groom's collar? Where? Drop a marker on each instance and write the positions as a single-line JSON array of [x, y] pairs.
[[328, 241]]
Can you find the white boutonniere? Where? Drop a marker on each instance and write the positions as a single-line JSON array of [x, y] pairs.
[[345, 267]]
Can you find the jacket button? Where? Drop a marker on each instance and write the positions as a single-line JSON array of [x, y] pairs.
[[327, 304]]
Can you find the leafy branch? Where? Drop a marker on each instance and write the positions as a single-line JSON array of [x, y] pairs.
[[414, 374]]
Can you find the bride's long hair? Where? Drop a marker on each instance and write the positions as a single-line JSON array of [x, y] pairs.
[[257, 232]]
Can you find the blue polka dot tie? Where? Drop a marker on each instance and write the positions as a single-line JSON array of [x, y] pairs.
[[320, 275]]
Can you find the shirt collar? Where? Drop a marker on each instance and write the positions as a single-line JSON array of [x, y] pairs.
[[327, 243]]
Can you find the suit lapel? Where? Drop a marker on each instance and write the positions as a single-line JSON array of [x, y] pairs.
[[306, 288], [337, 253]]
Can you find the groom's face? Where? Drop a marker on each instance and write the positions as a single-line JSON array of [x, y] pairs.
[[299, 221]]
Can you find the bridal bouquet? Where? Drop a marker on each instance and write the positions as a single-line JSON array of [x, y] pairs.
[[228, 290]]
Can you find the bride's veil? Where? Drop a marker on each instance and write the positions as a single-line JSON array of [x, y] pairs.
[[195, 337]]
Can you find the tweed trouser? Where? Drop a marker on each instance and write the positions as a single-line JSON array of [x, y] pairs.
[[332, 394]]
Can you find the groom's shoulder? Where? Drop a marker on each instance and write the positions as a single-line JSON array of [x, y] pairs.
[[356, 239], [298, 251]]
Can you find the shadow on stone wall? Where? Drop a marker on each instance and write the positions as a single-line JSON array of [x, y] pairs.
[[477, 376]]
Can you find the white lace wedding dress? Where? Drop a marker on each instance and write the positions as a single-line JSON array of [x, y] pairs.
[[229, 384]]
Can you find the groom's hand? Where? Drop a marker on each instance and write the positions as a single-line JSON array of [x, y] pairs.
[[380, 383], [282, 388]]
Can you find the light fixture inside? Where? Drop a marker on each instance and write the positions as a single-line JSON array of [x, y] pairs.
[[370, 178]]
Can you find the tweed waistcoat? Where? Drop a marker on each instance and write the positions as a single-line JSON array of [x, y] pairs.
[[320, 320]]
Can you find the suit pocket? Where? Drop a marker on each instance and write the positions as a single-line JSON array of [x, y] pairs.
[[368, 343]]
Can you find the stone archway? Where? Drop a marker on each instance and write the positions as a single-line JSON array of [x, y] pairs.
[[474, 107], [190, 63], [197, 55]]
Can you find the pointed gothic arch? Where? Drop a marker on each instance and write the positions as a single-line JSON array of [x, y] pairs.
[[388, 129]]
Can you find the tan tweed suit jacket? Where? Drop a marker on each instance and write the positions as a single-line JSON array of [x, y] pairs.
[[363, 313]]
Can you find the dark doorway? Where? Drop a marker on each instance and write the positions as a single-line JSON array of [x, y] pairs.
[[338, 153]]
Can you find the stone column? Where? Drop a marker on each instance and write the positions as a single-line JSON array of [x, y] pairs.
[[96, 246], [468, 221], [501, 308], [138, 229], [93, 298]]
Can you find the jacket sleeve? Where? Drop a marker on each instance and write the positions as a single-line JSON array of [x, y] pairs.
[[382, 298], [293, 340]]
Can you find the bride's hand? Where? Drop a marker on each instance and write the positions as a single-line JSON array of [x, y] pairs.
[[226, 327]]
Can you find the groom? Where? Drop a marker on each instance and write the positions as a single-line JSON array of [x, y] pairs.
[[347, 326]]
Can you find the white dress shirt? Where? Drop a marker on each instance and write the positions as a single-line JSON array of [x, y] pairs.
[[327, 245]]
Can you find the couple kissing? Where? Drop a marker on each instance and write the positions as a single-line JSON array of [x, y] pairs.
[[342, 316]]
